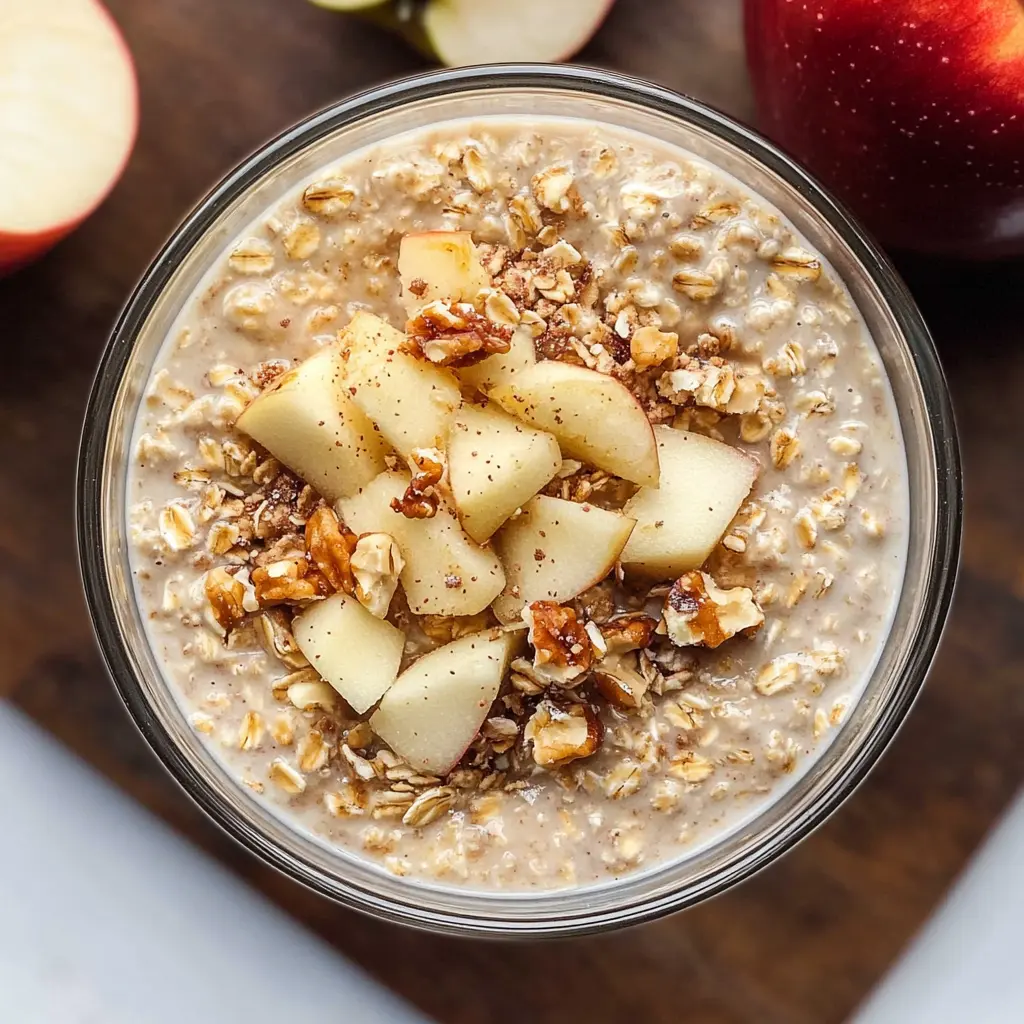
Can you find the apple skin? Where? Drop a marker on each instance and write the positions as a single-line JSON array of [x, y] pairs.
[[16, 249], [912, 111]]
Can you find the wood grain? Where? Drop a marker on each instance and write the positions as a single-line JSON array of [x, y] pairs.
[[801, 942]]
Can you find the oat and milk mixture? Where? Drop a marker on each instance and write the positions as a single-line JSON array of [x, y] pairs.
[[635, 688]]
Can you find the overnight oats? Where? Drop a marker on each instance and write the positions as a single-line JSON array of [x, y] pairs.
[[518, 505]]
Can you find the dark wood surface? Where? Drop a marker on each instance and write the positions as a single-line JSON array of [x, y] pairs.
[[801, 942]]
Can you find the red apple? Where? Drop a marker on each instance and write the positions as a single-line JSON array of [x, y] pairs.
[[68, 115], [912, 111]]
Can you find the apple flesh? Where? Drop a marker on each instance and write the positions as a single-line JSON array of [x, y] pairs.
[[357, 653], [482, 31], [440, 265], [593, 416], [445, 572], [502, 366], [411, 401], [458, 32], [306, 419], [436, 707], [556, 549], [496, 463], [703, 484], [68, 117], [911, 110]]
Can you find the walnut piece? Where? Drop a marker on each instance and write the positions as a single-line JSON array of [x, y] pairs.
[[225, 595], [442, 629], [697, 612], [289, 581], [376, 564], [628, 632], [455, 334], [649, 346], [620, 684], [421, 498], [563, 733], [329, 546], [564, 650]]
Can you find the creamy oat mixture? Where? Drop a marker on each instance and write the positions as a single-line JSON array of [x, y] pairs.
[[701, 694]]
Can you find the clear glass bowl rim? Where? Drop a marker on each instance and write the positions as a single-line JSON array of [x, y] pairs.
[[114, 359]]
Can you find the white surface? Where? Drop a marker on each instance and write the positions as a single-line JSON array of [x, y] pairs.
[[965, 967], [107, 917]]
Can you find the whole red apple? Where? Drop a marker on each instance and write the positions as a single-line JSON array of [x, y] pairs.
[[912, 111]]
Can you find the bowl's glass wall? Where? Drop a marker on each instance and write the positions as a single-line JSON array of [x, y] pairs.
[[894, 323]]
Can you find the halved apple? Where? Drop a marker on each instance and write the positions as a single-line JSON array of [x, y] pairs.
[[458, 32], [495, 464], [556, 549], [306, 419], [357, 653], [440, 265], [703, 484], [68, 118], [594, 417], [411, 401], [445, 572], [434, 710], [502, 366]]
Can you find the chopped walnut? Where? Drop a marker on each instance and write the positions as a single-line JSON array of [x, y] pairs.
[[329, 545], [376, 564], [288, 581], [563, 733], [650, 346], [697, 612], [421, 498], [225, 595], [455, 334], [628, 632], [620, 684], [273, 630], [564, 651]]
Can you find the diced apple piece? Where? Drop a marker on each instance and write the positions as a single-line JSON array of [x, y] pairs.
[[357, 653], [436, 707], [440, 265], [496, 463], [445, 572], [306, 420], [555, 550], [410, 400], [594, 417], [502, 366], [703, 484]]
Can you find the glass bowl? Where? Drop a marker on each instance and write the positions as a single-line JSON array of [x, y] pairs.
[[900, 334]]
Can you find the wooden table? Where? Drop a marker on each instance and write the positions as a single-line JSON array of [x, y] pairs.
[[801, 942]]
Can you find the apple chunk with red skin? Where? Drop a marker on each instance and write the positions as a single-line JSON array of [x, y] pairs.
[[307, 420], [440, 265], [911, 110], [68, 117], [703, 484], [436, 707], [593, 416], [555, 550], [357, 653]]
